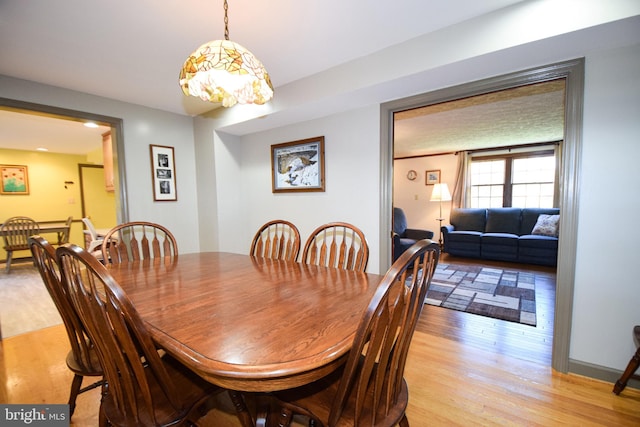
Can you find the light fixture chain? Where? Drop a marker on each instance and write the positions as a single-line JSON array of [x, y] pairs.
[[226, 21]]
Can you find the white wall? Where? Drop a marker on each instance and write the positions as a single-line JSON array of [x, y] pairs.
[[606, 298], [352, 163], [413, 196], [142, 126]]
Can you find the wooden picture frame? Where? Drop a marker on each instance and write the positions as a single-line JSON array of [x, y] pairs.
[[432, 177], [15, 179], [163, 173], [298, 166]]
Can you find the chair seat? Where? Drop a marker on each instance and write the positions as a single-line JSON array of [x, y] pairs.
[[92, 369], [16, 248]]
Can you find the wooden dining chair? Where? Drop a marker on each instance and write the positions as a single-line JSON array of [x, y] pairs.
[[16, 232], [82, 359], [63, 237], [278, 239], [138, 240], [143, 387], [337, 244], [369, 389]]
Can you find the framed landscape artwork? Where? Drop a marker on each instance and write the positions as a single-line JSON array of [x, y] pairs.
[[432, 177], [15, 179], [298, 165], [163, 172]]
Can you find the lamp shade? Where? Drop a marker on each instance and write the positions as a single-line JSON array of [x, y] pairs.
[[440, 193], [224, 71]]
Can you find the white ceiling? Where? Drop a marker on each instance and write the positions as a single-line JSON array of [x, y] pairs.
[[24, 131], [132, 51]]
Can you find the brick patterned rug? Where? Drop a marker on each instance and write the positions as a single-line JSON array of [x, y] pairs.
[[506, 294]]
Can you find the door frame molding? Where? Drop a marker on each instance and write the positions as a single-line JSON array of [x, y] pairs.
[[81, 181], [573, 73]]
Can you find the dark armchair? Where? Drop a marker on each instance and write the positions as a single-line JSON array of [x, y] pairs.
[[404, 237]]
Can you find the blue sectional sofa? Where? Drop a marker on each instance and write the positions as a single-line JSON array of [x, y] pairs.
[[503, 234]]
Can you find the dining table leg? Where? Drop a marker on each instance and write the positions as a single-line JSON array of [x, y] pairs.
[[241, 409], [268, 416]]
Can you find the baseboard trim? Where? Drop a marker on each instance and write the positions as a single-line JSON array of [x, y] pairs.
[[600, 373]]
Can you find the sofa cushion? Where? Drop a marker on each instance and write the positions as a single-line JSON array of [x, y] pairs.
[[399, 221], [535, 249], [499, 246], [463, 243], [547, 225], [537, 241], [503, 220], [503, 239], [465, 236], [468, 219], [530, 216]]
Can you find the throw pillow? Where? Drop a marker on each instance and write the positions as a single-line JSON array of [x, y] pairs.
[[547, 225]]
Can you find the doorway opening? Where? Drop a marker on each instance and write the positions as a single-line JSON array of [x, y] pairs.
[[25, 316], [573, 74]]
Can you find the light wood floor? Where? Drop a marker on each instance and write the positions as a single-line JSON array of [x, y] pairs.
[[462, 370]]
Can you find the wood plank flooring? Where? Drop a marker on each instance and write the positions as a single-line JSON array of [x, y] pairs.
[[533, 343], [462, 370]]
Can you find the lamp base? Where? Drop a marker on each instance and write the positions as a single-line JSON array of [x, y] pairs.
[[440, 242]]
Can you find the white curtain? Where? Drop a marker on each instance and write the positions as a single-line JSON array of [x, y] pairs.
[[460, 189], [556, 189]]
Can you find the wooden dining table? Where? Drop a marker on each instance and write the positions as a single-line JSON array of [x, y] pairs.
[[247, 323], [58, 227]]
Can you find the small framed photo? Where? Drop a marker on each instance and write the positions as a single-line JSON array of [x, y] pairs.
[[298, 165], [432, 177], [163, 171], [15, 179]]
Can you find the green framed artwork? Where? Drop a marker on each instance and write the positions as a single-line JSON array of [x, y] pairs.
[[15, 179]]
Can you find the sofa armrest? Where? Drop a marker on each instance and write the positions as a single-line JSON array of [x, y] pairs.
[[412, 233], [446, 229]]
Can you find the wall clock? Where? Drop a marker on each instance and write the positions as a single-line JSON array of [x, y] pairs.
[[411, 175]]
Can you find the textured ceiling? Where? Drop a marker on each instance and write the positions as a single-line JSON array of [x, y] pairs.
[[524, 115]]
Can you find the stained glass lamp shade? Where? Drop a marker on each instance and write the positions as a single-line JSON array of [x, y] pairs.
[[224, 71]]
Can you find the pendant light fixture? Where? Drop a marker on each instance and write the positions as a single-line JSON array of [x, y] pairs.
[[224, 71]]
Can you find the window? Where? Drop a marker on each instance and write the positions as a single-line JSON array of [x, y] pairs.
[[525, 180]]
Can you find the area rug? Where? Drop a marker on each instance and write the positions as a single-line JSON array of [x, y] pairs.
[[494, 292]]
